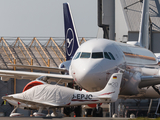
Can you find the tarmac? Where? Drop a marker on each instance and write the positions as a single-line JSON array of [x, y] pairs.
[[63, 118]]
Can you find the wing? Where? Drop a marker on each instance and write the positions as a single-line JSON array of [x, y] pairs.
[[34, 75], [29, 102], [42, 68], [149, 81]]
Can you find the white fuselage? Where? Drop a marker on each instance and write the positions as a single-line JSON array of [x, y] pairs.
[[78, 98], [96, 60], [48, 96]]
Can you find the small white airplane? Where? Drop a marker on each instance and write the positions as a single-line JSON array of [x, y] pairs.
[[49, 96], [96, 60]]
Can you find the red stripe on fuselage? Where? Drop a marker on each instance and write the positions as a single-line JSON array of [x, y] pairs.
[[82, 100], [107, 93]]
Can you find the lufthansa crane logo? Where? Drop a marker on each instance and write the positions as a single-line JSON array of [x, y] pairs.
[[70, 41]]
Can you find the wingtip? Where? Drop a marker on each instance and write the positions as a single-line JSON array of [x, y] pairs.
[[7, 97], [4, 97]]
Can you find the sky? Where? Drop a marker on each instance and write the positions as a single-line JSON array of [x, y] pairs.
[[44, 18]]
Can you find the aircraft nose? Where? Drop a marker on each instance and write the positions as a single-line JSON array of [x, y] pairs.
[[84, 72]]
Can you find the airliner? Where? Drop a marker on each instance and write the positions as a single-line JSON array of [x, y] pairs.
[[92, 64]]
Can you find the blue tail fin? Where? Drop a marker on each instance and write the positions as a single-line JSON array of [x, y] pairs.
[[71, 39]]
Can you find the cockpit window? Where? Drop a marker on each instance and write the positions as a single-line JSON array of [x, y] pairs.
[[97, 55], [85, 55], [77, 55], [110, 54], [106, 55]]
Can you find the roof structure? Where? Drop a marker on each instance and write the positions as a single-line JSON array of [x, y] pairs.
[[132, 12]]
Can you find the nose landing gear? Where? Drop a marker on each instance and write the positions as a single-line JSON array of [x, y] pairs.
[[13, 114]]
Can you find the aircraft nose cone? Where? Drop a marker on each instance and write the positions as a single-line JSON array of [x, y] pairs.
[[87, 71]]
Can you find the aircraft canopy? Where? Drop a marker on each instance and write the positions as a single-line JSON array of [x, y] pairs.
[[55, 94]]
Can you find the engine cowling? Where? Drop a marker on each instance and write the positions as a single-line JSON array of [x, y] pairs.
[[32, 84], [66, 65]]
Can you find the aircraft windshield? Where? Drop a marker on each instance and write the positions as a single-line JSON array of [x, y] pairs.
[[97, 55], [85, 55], [111, 55], [77, 55], [106, 55]]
